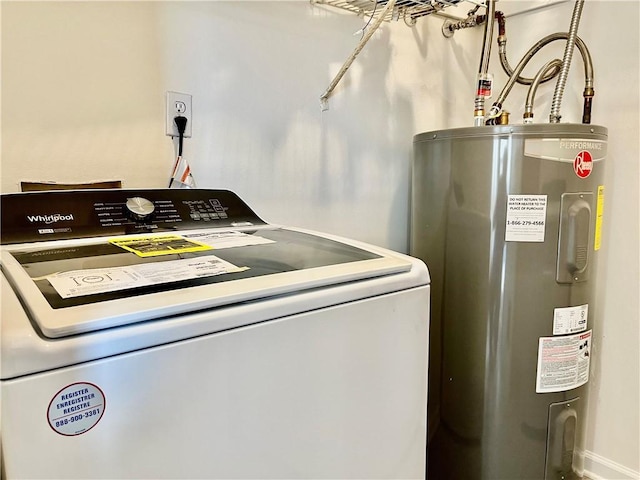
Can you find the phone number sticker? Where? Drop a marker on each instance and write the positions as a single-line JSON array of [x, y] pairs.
[[76, 409], [526, 216]]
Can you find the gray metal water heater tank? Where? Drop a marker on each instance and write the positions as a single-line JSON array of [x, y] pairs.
[[509, 220]]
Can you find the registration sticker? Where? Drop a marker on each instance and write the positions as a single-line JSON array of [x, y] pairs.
[[76, 409]]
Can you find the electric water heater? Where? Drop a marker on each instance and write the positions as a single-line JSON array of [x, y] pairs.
[[509, 218]]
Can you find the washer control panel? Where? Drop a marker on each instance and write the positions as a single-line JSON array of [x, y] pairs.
[[57, 214]]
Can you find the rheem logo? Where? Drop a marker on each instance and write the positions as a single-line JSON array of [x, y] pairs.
[[583, 164]]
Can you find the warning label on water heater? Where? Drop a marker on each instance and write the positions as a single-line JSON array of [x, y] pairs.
[[526, 216], [563, 362]]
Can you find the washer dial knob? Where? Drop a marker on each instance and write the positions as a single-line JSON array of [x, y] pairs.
[[138, 208]]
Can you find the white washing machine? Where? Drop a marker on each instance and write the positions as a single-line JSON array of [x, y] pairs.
[[174, 334]]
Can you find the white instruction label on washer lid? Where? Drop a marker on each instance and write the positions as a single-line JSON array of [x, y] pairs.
[[570, 319], [563, 362], [526, 216], [77, 283]]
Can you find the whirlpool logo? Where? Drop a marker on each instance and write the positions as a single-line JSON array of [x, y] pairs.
[[49, 219]]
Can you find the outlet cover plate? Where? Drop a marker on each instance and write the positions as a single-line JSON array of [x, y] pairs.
[[178, 104]]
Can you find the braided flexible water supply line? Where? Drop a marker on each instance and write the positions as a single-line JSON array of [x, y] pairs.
[[554, 116], [478, 114], [549, 67]]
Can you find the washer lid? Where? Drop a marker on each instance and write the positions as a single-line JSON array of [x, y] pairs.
[[81, 286]]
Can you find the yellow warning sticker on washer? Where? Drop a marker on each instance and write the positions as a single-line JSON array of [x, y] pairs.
[[152, 246], [599, 213]]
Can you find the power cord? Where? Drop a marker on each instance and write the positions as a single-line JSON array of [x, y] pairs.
[[181, 123]]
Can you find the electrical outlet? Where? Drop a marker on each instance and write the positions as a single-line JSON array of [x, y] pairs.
[[178, 104]]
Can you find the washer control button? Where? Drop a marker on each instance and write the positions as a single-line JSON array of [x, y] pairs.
[[138, 208]]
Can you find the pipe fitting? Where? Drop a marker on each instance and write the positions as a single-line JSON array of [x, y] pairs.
[[503, 119], [588, 100]]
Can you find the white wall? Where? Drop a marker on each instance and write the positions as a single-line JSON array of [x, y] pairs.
[[82, 93], [256, 71], [83, 87]]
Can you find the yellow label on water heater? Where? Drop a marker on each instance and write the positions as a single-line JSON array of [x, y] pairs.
[[599, 213]]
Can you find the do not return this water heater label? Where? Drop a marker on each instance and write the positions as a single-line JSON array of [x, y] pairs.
[[526, 216]]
